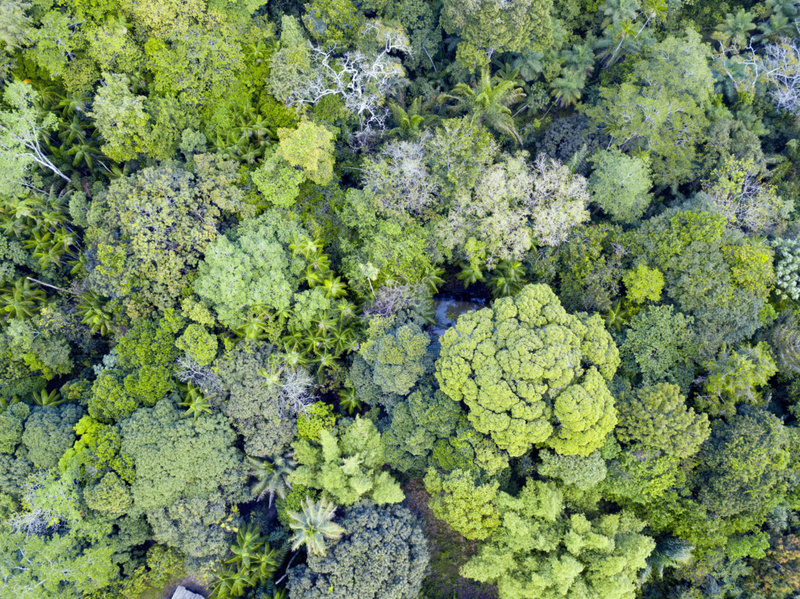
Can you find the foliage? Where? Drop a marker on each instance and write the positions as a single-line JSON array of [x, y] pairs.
[[150, 229], [317, 418], [747, 203], [485, 26], [259, 411], [519, 364], [309, 147], [272, 477], [658, 344], [382, 553], [417, 423], [584, 472], [346, 465], [660, 106], [49, 433], [787, 267], [200, 345]]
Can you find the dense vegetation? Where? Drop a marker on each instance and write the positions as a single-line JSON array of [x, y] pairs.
[[229, 231]]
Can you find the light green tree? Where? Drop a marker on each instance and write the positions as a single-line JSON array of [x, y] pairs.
[[346, 466], [464, 504], [251, 266], [122, 119], [584, 472], [525, 362], [198, 343], [309, 147], [540, 551], [643, 283], [735, 377]]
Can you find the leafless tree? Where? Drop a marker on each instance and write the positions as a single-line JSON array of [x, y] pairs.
[[362, 81]]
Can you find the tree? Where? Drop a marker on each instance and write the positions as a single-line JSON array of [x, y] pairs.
[[490, 104], [658, 344], [176, 457], [525, 360], [660, 106], [743, 463], [747, 203], [620, 185], [313, 526], [124, 121], [397, 358], [257, 408], [382, 554], [466, 506], [346, 465], [361, 79], [53, 547], [558, 203], [584, 472], [539, 551], [111, 496], [250, 267], [21, 135], [272, 477], [643, 283], [492, 223], [139, 372], [425, 416], [309, 147], [200, 527], [734, 378], [150, 230], [278, 181], [486, 26], [399, 179], [656, 419], [199, 345], [49, 432]]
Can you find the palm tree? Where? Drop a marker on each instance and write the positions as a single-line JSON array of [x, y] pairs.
[[313, 525], [669, 553], [194, 401], [489, 103], [410, 121], [567, 89], [272, 478], [736, 28], [19, 300]]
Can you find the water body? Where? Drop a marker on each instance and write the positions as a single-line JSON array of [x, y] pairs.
[[448, 310]]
